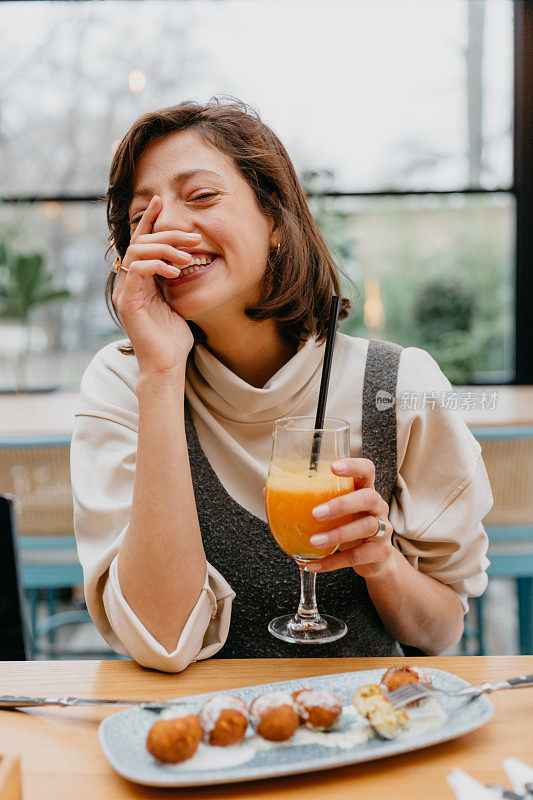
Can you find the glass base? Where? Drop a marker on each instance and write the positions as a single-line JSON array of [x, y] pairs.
[[290, 628]]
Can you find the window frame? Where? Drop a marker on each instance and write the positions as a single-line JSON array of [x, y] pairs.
[[523, 189]]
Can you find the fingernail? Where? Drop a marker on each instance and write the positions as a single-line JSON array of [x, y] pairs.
[[313, 567], [193, 235], [176, 270], [321, 511], [319, 539], [339, 466]]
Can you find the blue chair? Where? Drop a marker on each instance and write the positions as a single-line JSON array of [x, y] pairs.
[[35, 471], [508, 456]]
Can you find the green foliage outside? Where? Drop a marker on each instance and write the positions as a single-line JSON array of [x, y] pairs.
[[25, 283], [444, 268]]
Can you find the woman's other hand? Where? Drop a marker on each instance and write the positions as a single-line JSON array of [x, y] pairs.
[[369, 557], [160, 337]]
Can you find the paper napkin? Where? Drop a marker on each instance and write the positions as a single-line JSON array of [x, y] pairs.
[[468, 788]]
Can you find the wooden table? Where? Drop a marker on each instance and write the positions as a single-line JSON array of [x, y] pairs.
[[61, 758]]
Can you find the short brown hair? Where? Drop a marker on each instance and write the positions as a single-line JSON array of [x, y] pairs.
[[301, 276]]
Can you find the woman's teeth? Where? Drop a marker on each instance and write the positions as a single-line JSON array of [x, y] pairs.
[[197, 263]]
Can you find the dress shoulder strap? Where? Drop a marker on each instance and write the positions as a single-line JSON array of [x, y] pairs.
[[378, 423]]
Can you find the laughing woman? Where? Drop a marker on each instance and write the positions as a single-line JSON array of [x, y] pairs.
[[223, 285]]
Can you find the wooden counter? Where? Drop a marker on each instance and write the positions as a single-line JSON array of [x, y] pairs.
[[61, 758]]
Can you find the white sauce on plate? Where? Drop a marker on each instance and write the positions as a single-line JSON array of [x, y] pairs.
[[428, 716], [354, 730], [357, 731]]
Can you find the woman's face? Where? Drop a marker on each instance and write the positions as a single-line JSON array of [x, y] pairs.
[[203, 192]]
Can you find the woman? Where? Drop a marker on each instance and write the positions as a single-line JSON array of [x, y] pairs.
[[223, 286]]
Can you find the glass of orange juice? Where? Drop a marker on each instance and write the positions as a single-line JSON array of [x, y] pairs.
[[295, 485]]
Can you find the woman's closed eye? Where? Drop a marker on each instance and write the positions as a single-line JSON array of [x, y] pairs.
[[205, 196]]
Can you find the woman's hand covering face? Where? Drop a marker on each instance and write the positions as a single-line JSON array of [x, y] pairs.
[[160, 337]]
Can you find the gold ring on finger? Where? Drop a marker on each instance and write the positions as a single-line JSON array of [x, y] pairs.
[[382, 529]]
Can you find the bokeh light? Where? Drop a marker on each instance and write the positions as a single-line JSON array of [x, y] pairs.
[[136, 80]]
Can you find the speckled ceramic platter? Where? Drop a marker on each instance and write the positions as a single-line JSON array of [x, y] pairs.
[[123, 737]]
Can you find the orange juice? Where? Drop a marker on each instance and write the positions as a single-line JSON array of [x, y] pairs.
[[292, 493]]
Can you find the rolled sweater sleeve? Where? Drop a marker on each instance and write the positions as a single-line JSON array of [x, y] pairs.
[[103, 456], [442, 492]]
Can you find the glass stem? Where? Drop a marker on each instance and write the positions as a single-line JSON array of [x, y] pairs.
[[307, 608]]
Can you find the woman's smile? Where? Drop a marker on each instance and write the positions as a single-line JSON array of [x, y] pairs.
[[193, 271]]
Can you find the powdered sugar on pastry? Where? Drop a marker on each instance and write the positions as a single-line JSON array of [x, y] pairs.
[[210, 713], [267, 702]]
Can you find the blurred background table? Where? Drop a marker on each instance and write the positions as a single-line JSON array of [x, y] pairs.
[[43, 413], [61, 757], [37, 414], [514, 406]]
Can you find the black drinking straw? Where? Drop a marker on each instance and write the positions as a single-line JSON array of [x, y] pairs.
[[324, 383]]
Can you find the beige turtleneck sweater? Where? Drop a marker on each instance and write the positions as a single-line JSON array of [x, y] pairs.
[[441, 496]]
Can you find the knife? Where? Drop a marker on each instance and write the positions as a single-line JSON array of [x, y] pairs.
[[16, 701]]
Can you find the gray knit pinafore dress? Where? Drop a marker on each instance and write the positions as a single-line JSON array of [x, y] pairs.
[[266, 581]]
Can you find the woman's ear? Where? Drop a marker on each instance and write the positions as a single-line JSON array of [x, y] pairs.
[[274, 233], [274, 236]]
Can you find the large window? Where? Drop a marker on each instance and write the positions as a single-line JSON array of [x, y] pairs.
[[397, 114], [433, 271]]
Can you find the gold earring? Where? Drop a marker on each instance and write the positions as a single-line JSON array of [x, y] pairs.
[[277, 248]]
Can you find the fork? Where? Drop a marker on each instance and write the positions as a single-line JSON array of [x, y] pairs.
[[418, 691]]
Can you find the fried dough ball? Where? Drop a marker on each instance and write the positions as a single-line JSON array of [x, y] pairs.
[[173, 740], [273, 716], [318, 709], [372, 704], [224, 720], [400, 676]]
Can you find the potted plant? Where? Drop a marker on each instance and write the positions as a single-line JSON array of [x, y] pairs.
[[24, 284]]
